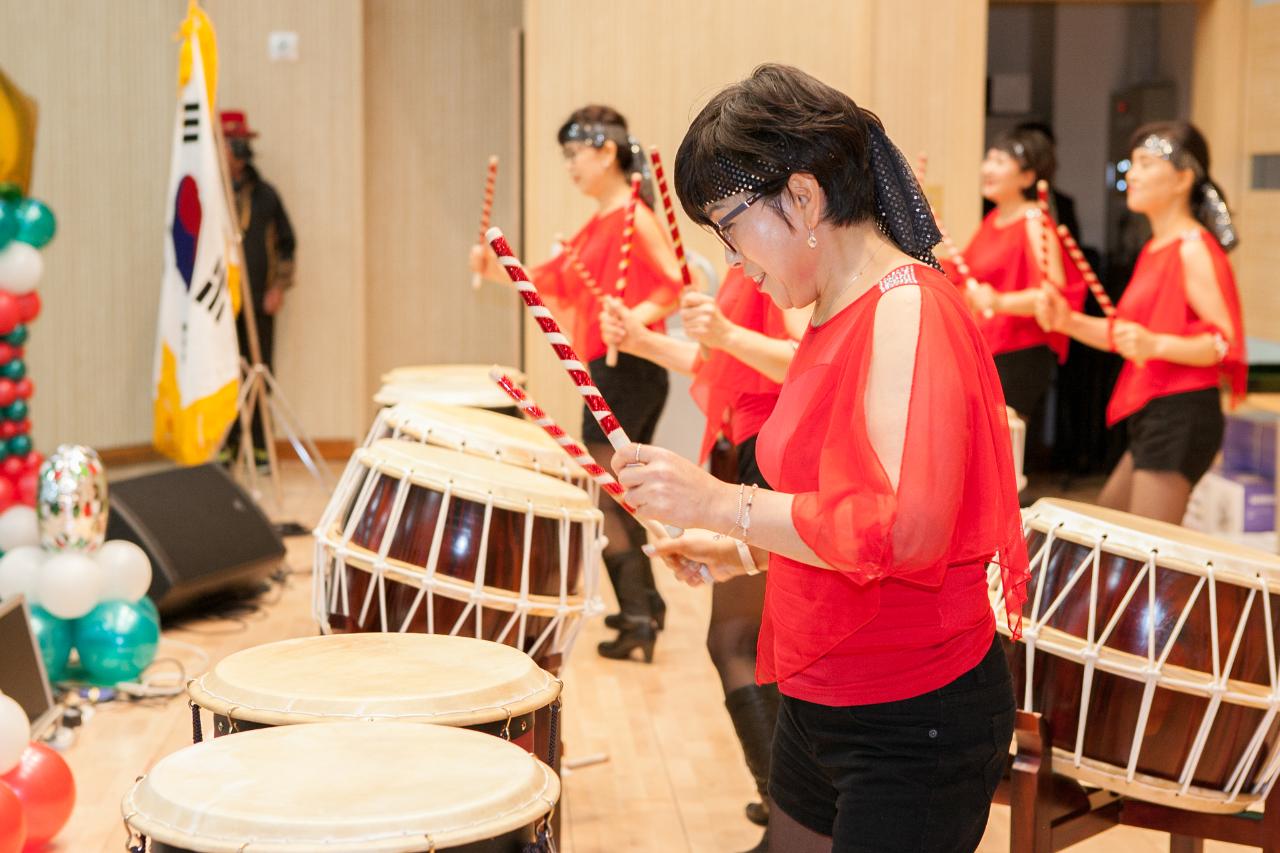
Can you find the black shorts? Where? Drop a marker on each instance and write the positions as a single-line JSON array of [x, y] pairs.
[[1025, 375], [636, 390], [915, 775], [1180, 432]]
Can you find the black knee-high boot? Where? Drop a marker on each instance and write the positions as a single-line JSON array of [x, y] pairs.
[[636, 597], [754, 711]]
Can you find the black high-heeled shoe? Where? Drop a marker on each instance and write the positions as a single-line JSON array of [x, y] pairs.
[[617, 621], [634, 635]]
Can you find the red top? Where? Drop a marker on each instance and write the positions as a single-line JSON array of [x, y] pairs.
[[1156, 298], [1004, 257], [737, 399], [906, 609], [599, 245]]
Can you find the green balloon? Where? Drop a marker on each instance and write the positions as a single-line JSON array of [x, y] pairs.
[[19, 445], [15, 369], [117, 640], [10, 223], [36, 223], [17, 410], [54, 636], [17, 337]]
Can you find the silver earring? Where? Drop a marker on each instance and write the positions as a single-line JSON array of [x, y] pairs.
[[812, 241]]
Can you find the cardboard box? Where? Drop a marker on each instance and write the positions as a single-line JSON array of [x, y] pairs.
[[1230, 503], [1249, 443]]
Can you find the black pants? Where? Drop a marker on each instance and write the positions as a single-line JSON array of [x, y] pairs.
[[266, 341], [915, 776]]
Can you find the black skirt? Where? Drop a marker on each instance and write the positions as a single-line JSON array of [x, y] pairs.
[[1179, 432], [636, 390]]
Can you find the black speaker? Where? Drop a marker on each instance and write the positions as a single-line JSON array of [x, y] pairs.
[[205, 536]]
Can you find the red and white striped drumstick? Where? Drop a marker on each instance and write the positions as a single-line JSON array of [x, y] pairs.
[[584, 274], [660, 177], [577, 453], [490, 183], [1046, 244], [624, 262], [1090, 278], [559, 342], [953, 251]]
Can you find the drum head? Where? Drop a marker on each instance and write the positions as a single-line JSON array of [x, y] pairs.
[[483, 433], [478, 479], [421, 678], [1139, 536], [341, 787], [454, 384]]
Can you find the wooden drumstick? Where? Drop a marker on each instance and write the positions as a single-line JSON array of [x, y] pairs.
[[578, 454], [490, 184], [624, 263], [660, 178], [1046, 231]]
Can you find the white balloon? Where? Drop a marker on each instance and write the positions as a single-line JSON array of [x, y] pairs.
[[69, 585], [19, 570], [126, 570], [21, 267], [15, 733], [18, 527]]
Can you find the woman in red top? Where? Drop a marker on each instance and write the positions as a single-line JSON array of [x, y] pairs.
[[741, 345], [1178, 326], [1006, 256], [600, 156], [889, 456]]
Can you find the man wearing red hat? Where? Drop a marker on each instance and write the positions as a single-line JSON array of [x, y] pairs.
[[268, 249]]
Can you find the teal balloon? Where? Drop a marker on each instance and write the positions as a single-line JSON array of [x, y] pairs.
[[15, 369], [54, 636], [19, 445], [17, 337], [10, 223], [117, 640], [36, 223], [17, 410]]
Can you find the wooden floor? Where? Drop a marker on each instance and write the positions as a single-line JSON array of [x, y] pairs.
[[674, 779]]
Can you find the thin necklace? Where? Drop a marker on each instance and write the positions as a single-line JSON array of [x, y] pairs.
[[848, 284]]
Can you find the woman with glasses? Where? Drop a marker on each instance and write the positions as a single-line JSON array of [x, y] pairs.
[[741, 346], [1178, 326], [892, 474], [1006, 257], [600, 155]]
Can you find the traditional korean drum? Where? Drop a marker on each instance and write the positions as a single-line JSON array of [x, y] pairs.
[[1150, 651], [435, 541], [480, 432], [452, 384], [405, 678], [345, 788]]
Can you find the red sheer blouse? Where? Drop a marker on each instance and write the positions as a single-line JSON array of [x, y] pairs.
[[1004, 257], [599, 245], [1156, 297], [737, 399], [906, 608]]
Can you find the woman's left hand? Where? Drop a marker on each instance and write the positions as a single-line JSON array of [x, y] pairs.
[[1134, 342], [665, 486], [692, 551]]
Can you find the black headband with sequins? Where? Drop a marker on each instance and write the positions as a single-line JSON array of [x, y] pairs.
[[1212, 212]]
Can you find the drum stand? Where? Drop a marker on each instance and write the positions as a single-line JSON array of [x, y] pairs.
[[1050, 812]]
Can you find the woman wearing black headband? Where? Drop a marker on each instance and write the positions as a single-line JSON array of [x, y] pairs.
[[1005, 257], [600, 156], [889, 453], [1178, 326]]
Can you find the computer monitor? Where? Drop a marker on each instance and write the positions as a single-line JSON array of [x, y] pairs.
[[22, 674]]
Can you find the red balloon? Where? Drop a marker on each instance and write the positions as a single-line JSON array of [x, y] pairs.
[[10, 316], [27, 488], [12, 468], [43, 781], [28, 306], [22, 427], [8, 392], [34, 459], [24, 388], [13, 821]]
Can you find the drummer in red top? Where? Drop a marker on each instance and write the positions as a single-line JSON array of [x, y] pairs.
[[889, 456], [600, 156], [1178, 326], [1006, 257], [741, 345]]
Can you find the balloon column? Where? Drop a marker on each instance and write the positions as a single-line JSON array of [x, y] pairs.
[[26, 226], [85, 593], [37, 790]]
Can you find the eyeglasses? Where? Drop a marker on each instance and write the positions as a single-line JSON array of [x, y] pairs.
[[720, 227]]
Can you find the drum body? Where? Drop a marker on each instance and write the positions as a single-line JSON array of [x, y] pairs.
[[1150, 651], [345, 788], [452, 384], [424, 539], [413, 678]]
